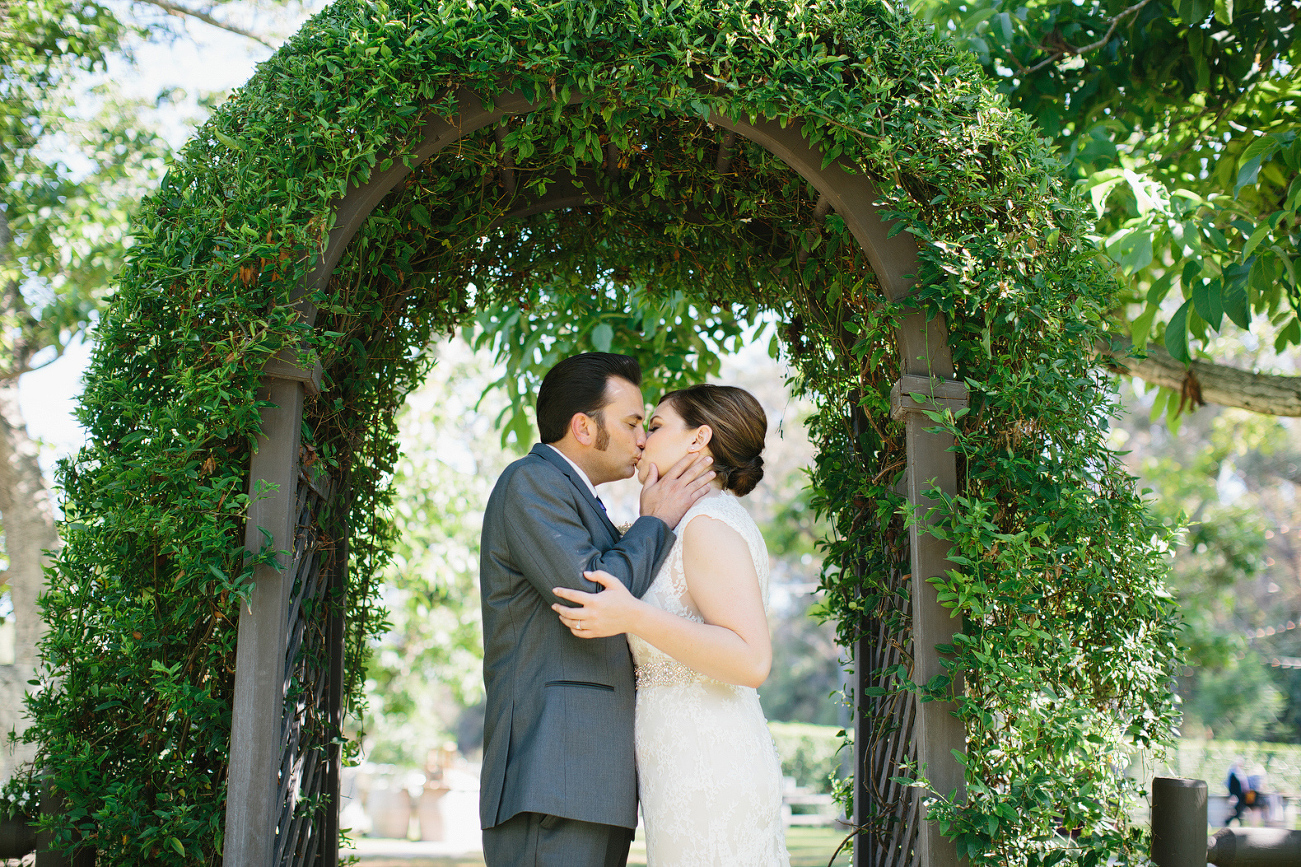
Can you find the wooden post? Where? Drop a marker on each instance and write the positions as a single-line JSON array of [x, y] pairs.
[[1179, 822], [253, 790], [1247, 847], [931, 464], [862, 805]]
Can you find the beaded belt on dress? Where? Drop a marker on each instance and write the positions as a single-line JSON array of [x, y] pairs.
[[665, 671]]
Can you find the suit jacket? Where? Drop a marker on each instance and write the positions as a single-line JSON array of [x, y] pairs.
[[558, 727]]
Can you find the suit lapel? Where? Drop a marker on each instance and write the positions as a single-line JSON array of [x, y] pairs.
[[553, 457]]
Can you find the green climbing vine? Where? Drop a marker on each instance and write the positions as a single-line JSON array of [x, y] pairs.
[[1068, 641]]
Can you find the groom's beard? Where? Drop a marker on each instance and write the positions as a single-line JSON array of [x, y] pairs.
[[602, 435]]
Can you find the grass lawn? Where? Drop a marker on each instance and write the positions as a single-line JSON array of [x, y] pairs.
[[809, 847]]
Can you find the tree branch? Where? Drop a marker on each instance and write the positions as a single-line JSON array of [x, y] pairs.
[[16, 319], [1062, 48], [186, 12], [1204, 382]]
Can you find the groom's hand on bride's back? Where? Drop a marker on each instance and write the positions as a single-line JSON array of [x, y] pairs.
[[668, 497]]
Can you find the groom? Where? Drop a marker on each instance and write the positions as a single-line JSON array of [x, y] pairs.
[[559, 785]]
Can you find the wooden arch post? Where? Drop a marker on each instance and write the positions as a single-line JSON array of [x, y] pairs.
[[265, 772]]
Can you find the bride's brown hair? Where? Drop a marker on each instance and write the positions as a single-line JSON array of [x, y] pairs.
[[739, 425]]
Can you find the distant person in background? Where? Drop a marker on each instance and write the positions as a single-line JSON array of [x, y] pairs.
[[1257, 793], [1236, 783]]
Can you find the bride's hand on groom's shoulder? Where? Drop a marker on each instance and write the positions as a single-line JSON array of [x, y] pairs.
[[668, 497], [597, 615]]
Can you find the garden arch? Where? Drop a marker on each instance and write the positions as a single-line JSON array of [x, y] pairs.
[[331, 217], [258, 749]]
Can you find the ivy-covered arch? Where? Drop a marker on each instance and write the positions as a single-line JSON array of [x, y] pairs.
[[666, 168]]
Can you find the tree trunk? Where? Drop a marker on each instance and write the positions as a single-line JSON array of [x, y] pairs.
[[27, 514], [1204, 382], [26, 517]]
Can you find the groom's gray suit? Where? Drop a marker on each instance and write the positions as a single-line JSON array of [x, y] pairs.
[[558, 731]]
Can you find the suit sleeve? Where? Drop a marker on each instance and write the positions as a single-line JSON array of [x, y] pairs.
[[553, 547]]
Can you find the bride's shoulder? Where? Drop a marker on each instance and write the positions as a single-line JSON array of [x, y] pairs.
[[723, 537], [708, 535], [713, 516]]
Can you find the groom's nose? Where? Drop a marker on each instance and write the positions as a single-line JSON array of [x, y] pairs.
[[641, 439]]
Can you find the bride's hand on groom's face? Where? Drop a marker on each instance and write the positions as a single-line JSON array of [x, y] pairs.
[[668, 497], [597, 615]]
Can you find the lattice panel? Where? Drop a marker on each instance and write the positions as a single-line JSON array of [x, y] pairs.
[[892, 812], [307, 832]]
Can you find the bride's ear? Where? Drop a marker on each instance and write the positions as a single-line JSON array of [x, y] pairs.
[[704, 434]]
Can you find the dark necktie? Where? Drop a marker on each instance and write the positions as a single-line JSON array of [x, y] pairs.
[[599, 503]]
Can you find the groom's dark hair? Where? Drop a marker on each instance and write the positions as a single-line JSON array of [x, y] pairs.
[[578, 384]]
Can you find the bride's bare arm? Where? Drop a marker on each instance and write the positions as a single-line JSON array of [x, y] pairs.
[[732, 645]]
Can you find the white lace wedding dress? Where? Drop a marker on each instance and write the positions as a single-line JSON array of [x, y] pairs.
[[707, 771]]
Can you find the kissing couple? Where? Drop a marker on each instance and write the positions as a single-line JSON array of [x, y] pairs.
[[623, 665]]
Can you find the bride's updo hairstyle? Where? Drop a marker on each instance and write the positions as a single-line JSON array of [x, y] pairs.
[[739, 425]]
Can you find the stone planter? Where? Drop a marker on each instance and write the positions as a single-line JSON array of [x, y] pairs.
[[429, 812], [389, 807]]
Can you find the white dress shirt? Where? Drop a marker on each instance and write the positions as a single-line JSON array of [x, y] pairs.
[[582, 475]]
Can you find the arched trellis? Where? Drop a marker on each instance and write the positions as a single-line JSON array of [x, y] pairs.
[[825, 112], [264, 750]]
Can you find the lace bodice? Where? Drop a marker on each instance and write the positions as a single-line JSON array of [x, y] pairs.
[[708, 775], [669, 589]]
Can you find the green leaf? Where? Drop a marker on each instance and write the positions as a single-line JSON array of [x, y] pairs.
[[232, 143], [1176, 334], [1290, 335], [602, 337], [1141, 327], [1236, 303], [1207, 302], [1131, 248], [1265, 273], [1160, 288], [1261, 233], [1293, 196], [1263, 148], [1217, 239], [1100, 190], [1247, 174]]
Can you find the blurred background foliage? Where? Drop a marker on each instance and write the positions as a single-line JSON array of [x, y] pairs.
[[1178, 120], [1230, 477]]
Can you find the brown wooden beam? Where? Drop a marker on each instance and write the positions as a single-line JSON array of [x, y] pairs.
[[507, 160], [612, 170], [725, 151]]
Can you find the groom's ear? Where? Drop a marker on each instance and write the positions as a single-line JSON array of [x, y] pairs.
[[583, 427]]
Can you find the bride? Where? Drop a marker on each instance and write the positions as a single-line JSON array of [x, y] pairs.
[[708, 775]]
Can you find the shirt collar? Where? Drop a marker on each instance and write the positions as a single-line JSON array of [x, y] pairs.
[[582, 475]]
